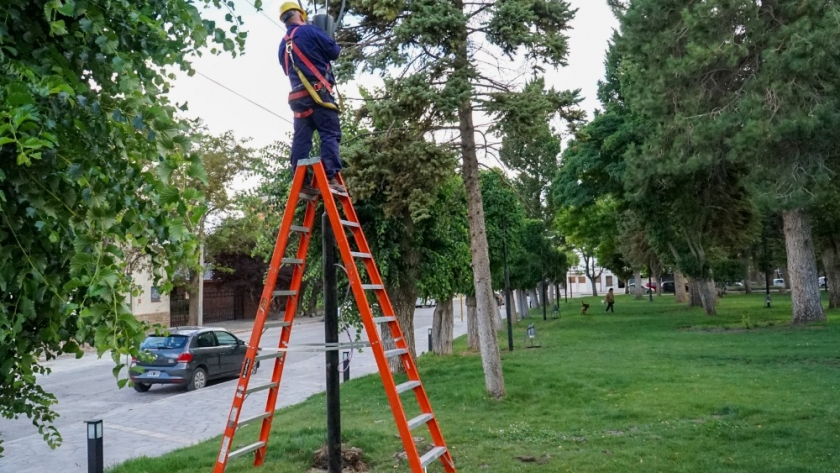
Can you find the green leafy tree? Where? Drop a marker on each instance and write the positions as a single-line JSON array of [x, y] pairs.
[[224, 157], [432, 46], [591, 231], [88, 145]]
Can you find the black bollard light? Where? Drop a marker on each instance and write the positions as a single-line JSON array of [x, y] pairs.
[[345, 365], [430, 340], [96, 463]]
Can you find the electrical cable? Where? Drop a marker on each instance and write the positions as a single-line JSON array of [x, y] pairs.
[[245, 98], [262, 12]]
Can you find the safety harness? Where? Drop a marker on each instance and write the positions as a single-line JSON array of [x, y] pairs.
[[311, 90]]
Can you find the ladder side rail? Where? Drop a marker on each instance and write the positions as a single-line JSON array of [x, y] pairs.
[[367, 320], [285, 334], [397, 333], [259, 321]]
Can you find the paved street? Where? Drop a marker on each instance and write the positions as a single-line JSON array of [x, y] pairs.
[[166, 418]]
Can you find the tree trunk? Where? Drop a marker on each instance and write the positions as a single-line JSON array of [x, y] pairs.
[[443, 327], [490, 357], [679, 287], [708, 295], [831, 261], [472, 324], [694, 299], [192, 290], [556, 294], [523, 304], [535, 302], [497, 315], [402, 298], [802, 266], [513, 313], [747, 285], [594, 287], [637, 276]]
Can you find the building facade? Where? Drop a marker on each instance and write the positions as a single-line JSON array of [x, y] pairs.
[[150, 305]]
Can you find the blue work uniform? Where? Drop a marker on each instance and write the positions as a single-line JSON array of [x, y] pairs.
[[319, 49]]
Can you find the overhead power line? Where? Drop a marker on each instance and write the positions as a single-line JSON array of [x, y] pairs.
[[245, 98]]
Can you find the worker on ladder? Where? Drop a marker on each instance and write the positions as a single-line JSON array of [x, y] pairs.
[[305, 54]]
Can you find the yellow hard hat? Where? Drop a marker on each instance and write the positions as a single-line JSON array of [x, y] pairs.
[[285, 7]]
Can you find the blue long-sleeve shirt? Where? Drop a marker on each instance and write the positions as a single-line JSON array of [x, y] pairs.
[[317, 46]]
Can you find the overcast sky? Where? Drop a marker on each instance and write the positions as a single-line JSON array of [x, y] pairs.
[[257, 74]]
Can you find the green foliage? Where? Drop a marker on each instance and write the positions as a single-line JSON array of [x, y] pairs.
[[699, 395], [90, 159]]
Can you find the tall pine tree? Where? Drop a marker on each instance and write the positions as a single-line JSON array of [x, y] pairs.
[[438, 49]]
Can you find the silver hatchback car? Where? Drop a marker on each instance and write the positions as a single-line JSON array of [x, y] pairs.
[[189, 356]]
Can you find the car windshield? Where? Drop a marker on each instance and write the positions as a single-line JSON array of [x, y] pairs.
[[172, 341]]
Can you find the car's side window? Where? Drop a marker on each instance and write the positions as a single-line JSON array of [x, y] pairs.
[[225, 339], [206, 340]]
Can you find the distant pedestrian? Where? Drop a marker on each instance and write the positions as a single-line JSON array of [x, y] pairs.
[[610, 298]]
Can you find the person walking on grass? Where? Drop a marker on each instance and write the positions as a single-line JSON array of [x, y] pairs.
[[610, 298]]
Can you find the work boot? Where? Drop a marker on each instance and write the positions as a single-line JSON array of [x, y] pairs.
[[336, 186]]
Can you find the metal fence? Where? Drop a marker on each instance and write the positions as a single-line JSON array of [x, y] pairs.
[[219, 306]]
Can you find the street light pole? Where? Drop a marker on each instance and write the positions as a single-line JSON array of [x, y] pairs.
[[507, 287], [766, 271], [650, 287]]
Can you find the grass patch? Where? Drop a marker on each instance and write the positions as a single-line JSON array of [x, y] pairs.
[[655, 387]]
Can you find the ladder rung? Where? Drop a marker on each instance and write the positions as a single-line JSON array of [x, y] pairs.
[[348, 223], [310, 190], [253, 419], [374, 287], [276, 323], [261, 387], [357, 254], [419, 420], [338, 192], [382, 320], [284, 293], [298, 228], [246, 449], [291, 261], [407, 386], [431, 456], [395, 352], [269, 355], [305, 196]]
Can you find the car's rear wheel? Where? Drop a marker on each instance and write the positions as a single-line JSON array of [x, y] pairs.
[[142, 387], [198, 381]]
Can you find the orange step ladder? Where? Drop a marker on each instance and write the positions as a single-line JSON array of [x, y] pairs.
[[320, 190]]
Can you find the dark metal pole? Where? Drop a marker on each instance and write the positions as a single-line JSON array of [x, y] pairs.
[[544, 299], [345, 365], [650, 287], [331, 339], [766, 271], [507, 289]]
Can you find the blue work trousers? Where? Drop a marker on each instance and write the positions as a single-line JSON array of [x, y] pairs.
[[326, 122]]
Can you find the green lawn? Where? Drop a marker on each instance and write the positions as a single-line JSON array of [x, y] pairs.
[[654, 388]]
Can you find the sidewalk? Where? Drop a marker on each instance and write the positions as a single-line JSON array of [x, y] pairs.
[[160, 426]]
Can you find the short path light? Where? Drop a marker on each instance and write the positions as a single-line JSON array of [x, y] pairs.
[[94, 435], [532, 340]]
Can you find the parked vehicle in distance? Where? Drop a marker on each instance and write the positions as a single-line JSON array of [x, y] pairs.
[[822, 281], [778, 282], [190, 356], [421, 302]]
